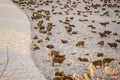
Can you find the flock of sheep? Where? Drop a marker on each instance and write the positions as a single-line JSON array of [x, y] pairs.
[[45, 26]]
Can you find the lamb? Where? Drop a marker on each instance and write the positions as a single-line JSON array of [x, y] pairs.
[[113, 45], [80, 43]]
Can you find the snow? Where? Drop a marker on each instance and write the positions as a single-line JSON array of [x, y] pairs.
[[16, 62], [43, 60]]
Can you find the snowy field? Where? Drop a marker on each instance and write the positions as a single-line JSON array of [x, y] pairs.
[[59, 24], [16, 62]]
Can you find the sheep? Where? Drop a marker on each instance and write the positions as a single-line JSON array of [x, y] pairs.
[[74, 32], [68, 29], [107, 32], [118, 40], [47, 17], [102, 34], [83, 20], [80, 43], [49, 33], [101, 43], [47, 12], [39, 41], [49, 26], [36, 15], [103, 61], [35, 46], [60, 13], [99, 54], [85, 15], [108, 60], [104, 23], [39, 23], [57, 60], [61, 76], [41, 27], [91, 26], [58, 73], [93, 31], [50, 46], [113, 45], [54, 52], [82, 59], [115, 33], [43, 31], [35, 37], [47, 38], [64, 41]]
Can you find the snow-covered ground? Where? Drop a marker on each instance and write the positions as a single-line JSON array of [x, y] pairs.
[[16, 62], [71, 65]]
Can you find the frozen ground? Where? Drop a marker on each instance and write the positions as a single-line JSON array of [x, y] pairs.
[[71, 65]]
